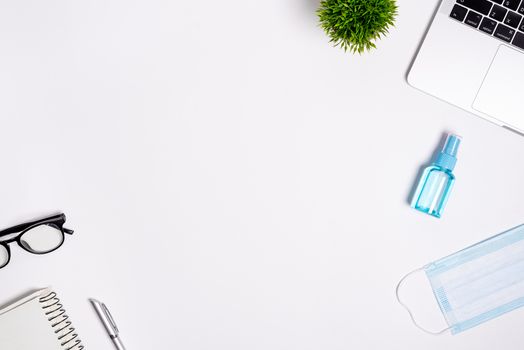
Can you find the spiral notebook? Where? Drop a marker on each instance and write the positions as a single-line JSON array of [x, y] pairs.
[[37, 321]]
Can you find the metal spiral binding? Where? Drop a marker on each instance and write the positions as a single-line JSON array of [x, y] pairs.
[[60, 322]]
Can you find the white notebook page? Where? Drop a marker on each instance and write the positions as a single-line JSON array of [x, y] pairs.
[[24, 326]]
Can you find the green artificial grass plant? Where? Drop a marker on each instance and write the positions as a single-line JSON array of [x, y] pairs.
[[354, 25]]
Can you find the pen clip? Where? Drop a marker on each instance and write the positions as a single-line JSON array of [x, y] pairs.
[[110, 318]]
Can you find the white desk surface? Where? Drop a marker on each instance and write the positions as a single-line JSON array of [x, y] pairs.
[[234, 181]]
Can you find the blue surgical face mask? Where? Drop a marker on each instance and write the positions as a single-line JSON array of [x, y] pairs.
[[480, 282]]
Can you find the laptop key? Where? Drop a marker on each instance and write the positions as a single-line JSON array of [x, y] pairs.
[[488, 25], [512, 4], [498, 13], [482, 6], [521, 27], [521, 8], [513, 19], [519, 40], [504, 33], [473, 19], [458, 12]]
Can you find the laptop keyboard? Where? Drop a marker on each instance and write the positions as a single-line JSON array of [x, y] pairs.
[[499, 18]]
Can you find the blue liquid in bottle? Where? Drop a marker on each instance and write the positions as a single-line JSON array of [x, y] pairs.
[[437, 180]]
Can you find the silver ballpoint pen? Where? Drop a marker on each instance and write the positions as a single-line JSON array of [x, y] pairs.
[[108, 322]]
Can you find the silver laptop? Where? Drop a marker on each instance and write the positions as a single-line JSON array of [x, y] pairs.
[[473, 57]]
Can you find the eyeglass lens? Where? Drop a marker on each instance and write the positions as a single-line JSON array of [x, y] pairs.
[[42, 238], [4, 256]]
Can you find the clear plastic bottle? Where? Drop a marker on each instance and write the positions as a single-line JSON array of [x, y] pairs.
[[435, 185]]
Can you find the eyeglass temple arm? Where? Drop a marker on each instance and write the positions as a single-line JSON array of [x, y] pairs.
[[21, 227], [15, 229]]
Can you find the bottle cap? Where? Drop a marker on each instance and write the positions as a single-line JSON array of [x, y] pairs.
[[447, 158]]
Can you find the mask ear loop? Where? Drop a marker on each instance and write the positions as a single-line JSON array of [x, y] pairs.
[[404, 305]]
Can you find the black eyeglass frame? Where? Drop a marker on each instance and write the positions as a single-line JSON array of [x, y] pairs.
[[56, 221]]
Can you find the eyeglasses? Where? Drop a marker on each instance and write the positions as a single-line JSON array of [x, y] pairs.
[[38, 237]]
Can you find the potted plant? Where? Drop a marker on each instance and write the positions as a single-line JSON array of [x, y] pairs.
[[355, 25]]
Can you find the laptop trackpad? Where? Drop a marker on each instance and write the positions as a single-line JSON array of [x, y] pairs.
[[502, 90]]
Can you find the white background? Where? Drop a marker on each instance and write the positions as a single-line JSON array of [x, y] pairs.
[[234, 181]]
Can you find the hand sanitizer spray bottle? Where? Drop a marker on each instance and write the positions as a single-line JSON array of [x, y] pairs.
[[437, 180]]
